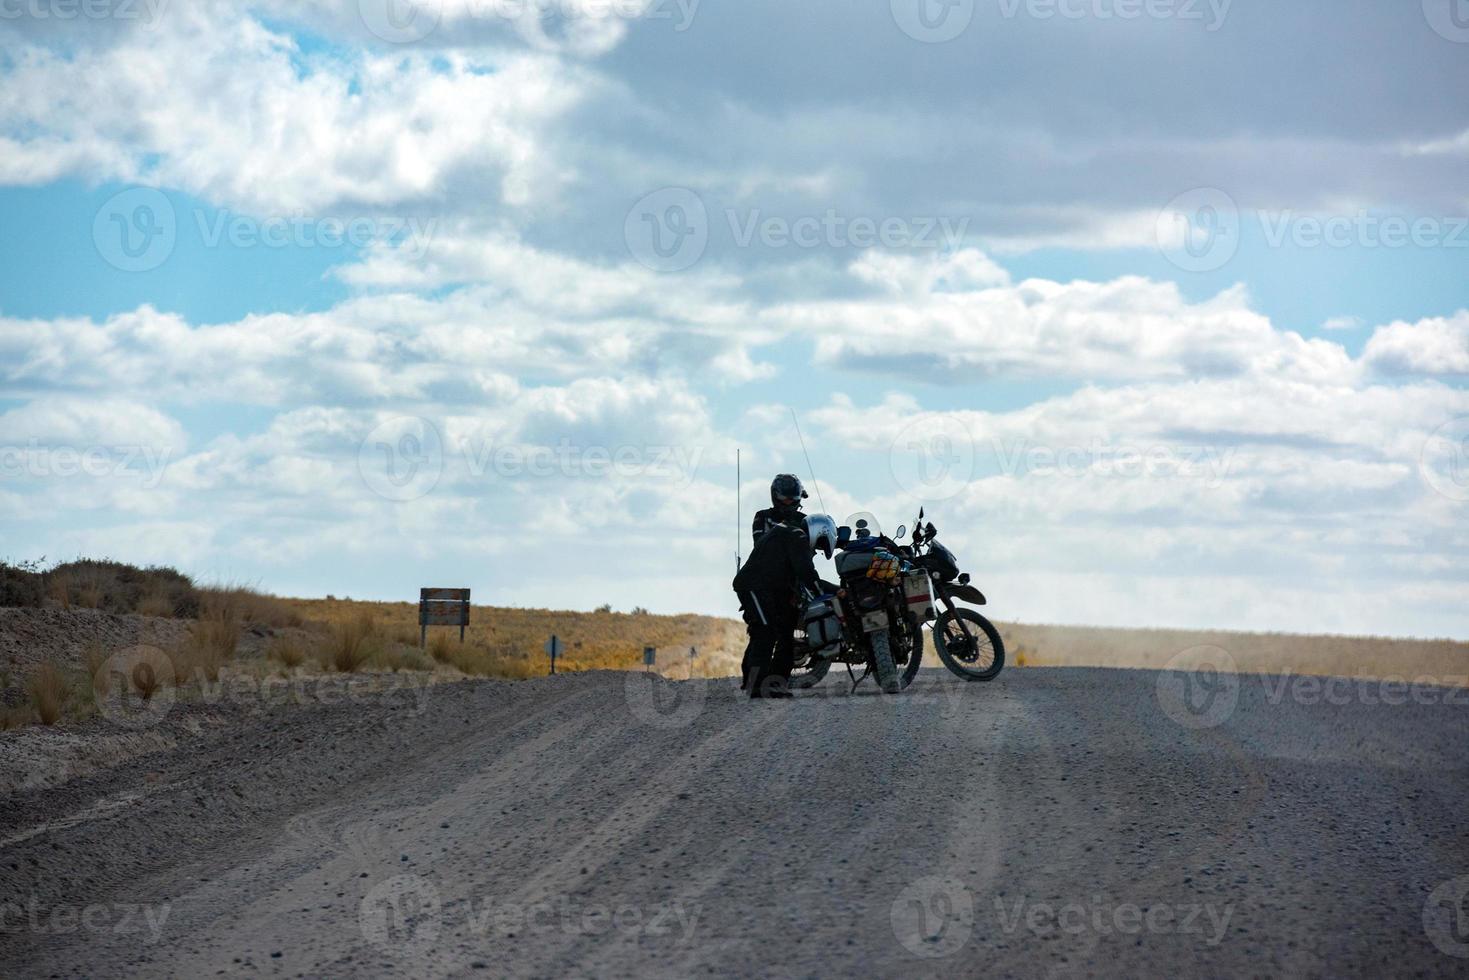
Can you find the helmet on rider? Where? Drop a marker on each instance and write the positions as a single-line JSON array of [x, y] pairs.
[[821, 530], [786, 491]]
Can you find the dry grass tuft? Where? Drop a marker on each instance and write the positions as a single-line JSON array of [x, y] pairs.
[[351, 644], [289, 651], [157, 602], [249, 606], [94, 656], [17, 717], [441, 647], [47, 690]]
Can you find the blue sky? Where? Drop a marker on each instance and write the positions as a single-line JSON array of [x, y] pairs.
[[1123, 316]]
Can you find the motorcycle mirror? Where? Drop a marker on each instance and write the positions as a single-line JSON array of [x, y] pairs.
[[929, 530], [902, 530]]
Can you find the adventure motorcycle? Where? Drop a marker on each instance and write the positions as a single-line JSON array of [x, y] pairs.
[[876, 616]]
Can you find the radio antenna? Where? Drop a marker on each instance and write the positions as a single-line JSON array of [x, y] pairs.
[[739, 514], [814, 485]]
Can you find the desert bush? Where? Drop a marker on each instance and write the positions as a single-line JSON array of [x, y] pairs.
[[289, 651], [117, 587], [249, 607], [145, 680], [351, 644], [47, 689], [22, 584], [401, 658], [441, 647], [156, 602]]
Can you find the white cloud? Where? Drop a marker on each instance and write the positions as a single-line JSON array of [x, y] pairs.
[[1433, 346]]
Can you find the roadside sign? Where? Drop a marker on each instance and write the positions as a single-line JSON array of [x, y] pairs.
[[442, 607], [553, 647], [650, 655]]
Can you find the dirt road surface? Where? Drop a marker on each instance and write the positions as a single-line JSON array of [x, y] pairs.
[[1058, 822]]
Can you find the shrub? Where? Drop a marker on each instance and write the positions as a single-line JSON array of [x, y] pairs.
[[47, 689], [156, 602], [350, 644], [441, 647], [249, 606], [22, 584], [287, 650], [117, 587]]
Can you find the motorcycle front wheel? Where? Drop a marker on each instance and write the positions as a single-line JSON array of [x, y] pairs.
[[882, 662], [969, 645]]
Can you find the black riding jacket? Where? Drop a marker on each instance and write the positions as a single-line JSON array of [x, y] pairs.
[[779, 563], [789, 516]]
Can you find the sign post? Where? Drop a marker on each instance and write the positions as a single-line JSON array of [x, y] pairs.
[[442, 607], [650, 654], [553, 647], [693, 652]]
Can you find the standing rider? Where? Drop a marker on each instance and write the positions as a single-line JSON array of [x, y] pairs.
[[769, 587]]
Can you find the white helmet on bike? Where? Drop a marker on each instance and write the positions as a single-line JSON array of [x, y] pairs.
[[822, 532]]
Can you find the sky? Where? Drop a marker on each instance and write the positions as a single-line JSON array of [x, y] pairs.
[[1158, 308]]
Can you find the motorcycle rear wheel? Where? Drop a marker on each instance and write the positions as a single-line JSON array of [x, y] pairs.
[[969, 645]]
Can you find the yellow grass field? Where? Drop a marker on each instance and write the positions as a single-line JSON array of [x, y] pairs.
[[1444, 662], [504, 642]]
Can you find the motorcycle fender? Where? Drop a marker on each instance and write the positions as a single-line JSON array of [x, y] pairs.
[[968, 593], [874, 621]]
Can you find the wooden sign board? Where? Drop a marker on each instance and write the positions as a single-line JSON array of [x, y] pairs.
[[442, 607]]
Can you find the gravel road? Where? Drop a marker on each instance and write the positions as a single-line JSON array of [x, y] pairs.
[[1056, 822]]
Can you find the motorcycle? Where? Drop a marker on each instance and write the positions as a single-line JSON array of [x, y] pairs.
[[888, 593]]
